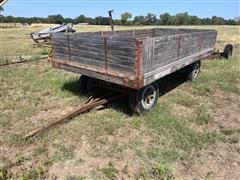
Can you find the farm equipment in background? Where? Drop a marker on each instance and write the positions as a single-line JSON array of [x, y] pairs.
[[43, 37]]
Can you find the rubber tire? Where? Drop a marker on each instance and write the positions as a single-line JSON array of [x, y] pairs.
[[228, 50], [190, 71], [135, 100], [83, 84]]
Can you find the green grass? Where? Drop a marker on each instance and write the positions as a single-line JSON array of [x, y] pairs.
[[173, 133], [34, 94], [74, 178], [63, 152], [219, 74], [110, 171], [165, 154], [204, 115], [37, 172], [185, 100], [114, 148], [136, 145], [32, 173], [162, 171]]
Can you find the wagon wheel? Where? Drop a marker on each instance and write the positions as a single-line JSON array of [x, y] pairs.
[[228, 50], [193, 70], [143, 100]]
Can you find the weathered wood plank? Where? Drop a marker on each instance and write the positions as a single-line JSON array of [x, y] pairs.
[[165, 48], [165, 60], [117, 51], [88, 61], [121, 67], [172, 67]]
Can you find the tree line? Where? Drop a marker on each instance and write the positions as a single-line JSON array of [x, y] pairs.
[[127, 19]]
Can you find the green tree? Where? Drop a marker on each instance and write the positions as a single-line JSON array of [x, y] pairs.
[[218, 20], [56, 19], [237, 20], [125, 16], [206, 21], [81, 19], [69, 20], [150, 19], [165, 19], [195, 20], [101, 20], [182, 19], [139, 20]]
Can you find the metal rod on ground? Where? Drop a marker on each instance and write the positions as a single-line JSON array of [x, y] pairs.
[[74, 113], [22, 61]]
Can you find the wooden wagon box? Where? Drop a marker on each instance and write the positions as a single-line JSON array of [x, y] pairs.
[[131, 58]]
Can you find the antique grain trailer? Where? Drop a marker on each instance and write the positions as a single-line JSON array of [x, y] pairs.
[[133, 59]]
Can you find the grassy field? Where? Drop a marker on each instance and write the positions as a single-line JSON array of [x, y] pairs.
[[193, 132]]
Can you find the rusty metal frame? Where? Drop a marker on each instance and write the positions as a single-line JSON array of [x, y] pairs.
[[138, 81], [128, 80]]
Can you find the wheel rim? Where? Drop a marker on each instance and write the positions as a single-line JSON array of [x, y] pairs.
[[148, 97], [196, 71]]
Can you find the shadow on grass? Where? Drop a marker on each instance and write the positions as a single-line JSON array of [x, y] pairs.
[[166, 85], [170, 82], [73, 87]]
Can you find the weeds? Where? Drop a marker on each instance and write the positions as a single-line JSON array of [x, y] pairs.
[[44, 51], [114, 148], [110, 171], [63, 152], [34, 173], [185, 100], [204, 115], [136, 145], [24, 174], [165, 154], [5, 172], [209, 175], [74, 178], [179, 136], [162, 171], [219, 74]]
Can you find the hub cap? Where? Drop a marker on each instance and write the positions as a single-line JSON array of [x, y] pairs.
[[148, 97], [196, 71]]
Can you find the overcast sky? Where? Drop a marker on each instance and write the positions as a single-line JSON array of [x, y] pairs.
[[92, 8]]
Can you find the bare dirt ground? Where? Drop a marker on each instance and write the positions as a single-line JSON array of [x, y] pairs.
[[220, 160]]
